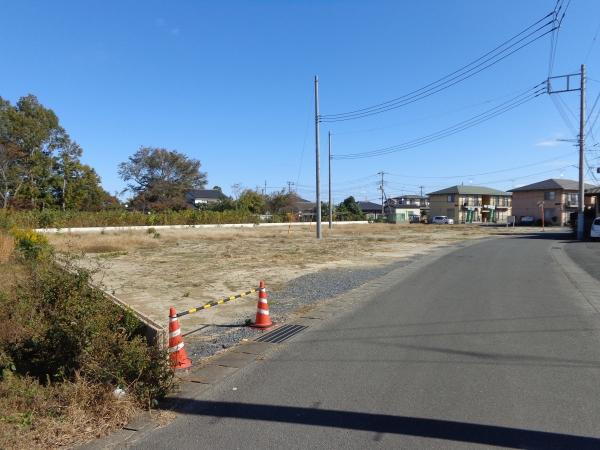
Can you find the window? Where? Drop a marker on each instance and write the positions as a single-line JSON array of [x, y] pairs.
[[572, 199], [549, 195], [450, 198]]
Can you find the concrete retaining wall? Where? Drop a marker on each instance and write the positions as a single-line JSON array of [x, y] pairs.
[[180, 227]]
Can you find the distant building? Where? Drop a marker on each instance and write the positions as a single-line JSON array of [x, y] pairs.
[[406, 208], [560, 198], [199, 197], [371, 210], [469, 204]]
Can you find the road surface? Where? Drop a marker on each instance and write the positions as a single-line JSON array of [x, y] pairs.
[[489, 345]]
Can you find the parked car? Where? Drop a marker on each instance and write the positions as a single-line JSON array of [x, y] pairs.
[[595, 231], [442, 220]]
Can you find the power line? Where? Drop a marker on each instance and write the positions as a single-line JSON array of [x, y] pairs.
[[456, 128], [469, 175], [451, 79]]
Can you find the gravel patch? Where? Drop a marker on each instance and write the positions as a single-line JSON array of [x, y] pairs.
[[301, 291]]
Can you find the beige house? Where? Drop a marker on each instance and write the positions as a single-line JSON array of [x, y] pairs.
[[470, 204], [559, 198]]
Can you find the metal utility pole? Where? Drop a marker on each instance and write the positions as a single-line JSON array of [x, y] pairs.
[[330, 202], [317, 157], [421, 190], [581, 89], [290, 184]]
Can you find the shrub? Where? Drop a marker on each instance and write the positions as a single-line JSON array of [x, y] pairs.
[[31, 245], [66, 327]]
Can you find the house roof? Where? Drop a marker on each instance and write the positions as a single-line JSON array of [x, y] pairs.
[[411, 196], [593, 190], [369, 206], [552, 183], [469, 190], [204, 193]]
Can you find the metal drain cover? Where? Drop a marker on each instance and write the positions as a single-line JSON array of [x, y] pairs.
[[281, 334]]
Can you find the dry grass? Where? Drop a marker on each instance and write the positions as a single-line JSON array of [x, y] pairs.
[[57, 415], [7, 246], [186, 267]]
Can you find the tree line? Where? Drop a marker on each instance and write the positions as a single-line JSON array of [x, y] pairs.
[[41, 168]]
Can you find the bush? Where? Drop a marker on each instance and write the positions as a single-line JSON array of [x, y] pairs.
[[64, 327], [31, 245]]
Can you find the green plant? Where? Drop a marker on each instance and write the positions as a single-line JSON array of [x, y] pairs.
[[31, 245]]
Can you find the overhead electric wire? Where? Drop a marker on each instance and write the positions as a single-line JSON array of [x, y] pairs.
[[506, 106], [472, 175], [448, 80]]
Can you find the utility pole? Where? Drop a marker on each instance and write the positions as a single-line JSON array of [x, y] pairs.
[[421, 190], [581, 213], [317, 157], [290, 184], [382, 173], [581, 89], [330, 202], [265, 188]]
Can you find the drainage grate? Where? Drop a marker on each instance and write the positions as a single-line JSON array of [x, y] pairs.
[[281, 334]]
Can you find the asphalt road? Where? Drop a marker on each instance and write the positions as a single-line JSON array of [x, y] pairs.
[[487, 346], [586, 255]]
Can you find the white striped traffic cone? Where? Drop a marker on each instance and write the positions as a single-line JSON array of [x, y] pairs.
[[177, 354]]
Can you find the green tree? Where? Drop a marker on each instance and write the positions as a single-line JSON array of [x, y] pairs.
[[39, 164], [349, 209], [253, 201], [159, 178]]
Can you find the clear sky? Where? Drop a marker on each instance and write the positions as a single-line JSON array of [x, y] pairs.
[[231, 84]]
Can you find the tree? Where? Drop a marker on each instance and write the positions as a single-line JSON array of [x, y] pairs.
[[253, 201], [282, 201], [159, 178], [349, 209], [39, 163]]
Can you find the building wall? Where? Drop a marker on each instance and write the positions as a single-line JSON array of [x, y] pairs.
[[525, 203], [440, 206], [402, 215]]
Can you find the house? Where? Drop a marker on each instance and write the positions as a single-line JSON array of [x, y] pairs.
[[199, 197], [371, 210], [403, 213], [559, 197], [401, 209], [408, 200], [468, 204]]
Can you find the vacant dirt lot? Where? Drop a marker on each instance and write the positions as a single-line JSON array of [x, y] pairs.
[[186, 268]]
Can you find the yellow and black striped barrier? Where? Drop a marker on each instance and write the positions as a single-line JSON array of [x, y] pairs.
[[216, 302]]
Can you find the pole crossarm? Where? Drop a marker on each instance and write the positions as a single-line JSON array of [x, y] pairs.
[[567, 77]]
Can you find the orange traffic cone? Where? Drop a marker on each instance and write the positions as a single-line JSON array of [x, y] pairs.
[[263, 320], [177, 354]]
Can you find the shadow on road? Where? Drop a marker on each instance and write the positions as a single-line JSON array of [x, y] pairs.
[[383, 423]]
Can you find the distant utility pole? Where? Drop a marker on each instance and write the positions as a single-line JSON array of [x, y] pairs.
[[581, 89], [317, 157], [330, 202], [265, 188], [382, 173], [421, 190], [290, 184]]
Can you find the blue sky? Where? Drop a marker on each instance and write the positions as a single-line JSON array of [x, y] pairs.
[[230, 83]]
